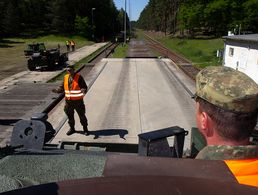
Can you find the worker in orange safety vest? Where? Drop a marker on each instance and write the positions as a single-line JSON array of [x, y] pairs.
[[75, 89]]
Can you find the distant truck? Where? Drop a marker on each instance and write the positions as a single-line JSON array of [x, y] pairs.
[[41, 58]]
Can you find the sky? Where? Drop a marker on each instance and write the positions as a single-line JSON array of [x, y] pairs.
[[136, 7]]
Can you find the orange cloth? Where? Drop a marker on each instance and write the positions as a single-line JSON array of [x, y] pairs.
[[73, 93], [245, 171]]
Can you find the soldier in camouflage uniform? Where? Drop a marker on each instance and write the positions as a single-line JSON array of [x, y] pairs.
[[227, 109]]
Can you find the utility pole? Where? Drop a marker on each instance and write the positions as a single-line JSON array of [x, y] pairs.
[[130, 25], [92, 24], [125, 24]]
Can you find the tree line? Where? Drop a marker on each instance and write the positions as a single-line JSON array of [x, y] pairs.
[[204, 17], [87, 18]]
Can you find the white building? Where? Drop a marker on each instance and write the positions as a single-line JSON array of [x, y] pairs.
[[241, 53]]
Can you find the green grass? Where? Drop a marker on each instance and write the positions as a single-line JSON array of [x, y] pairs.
[[120, 51], [54, 40], [51, 41], [140, 34], [12, 49], [202, 52], [12, 59]]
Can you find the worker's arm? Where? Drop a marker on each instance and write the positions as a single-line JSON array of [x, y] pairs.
[[59, 89], [83, 85]]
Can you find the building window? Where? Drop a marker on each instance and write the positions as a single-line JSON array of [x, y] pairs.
[[231, 51]]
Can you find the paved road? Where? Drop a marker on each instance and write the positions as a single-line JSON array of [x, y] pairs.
[[133, 96]]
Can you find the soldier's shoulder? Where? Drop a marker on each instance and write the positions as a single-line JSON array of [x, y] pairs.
[[224, 152]]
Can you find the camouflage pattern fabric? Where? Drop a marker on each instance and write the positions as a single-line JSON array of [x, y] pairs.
[[223, 152], [227, 88]]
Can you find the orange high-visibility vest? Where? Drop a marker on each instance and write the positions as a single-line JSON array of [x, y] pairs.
[[73, 93], [245, 171]]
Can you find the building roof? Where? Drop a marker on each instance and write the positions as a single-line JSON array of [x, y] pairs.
[[243, 38]]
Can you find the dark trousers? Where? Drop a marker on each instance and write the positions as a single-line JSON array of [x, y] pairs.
[[78, 105]]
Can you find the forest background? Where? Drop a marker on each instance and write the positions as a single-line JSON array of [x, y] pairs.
[[200, 17], [63, 17], [85, 17]]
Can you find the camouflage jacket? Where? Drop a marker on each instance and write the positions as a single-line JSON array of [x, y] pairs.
[[223, 152]]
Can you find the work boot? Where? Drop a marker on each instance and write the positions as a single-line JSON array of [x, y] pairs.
[[86, 131], [71, 131]]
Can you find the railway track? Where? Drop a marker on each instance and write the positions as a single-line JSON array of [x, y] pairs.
[[184, 64]]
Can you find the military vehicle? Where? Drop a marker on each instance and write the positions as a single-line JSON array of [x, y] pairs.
[[32, 166], [41, 58], [33, 48]]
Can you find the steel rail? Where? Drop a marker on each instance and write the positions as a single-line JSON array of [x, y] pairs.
[[185, 65]]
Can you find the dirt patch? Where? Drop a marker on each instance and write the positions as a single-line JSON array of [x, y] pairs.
[[12, 60]]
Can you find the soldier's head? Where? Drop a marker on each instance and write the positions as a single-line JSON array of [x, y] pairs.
[[227, 102]]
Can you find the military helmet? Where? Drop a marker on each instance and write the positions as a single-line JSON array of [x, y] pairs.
[[227, 88]]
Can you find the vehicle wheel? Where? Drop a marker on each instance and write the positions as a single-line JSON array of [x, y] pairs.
[[31, 65], [63, 59], [51, 66]]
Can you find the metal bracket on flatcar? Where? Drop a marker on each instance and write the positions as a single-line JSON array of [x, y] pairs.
[[32, 134], [154, 143]]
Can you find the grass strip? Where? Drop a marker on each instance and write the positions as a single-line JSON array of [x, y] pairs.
[[201, 52], [120, 51]]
